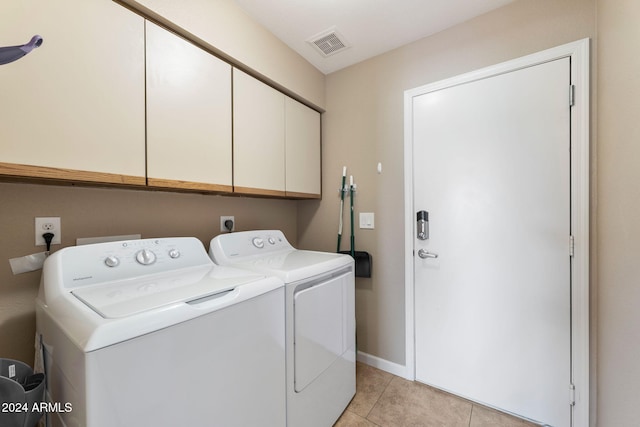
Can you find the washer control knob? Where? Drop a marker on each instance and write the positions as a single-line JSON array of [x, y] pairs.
[[272, 241], [145, 257], [258, 242], [174, 253], [112, 261]]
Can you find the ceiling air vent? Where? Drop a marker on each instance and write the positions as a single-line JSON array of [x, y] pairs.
[[329, 42]]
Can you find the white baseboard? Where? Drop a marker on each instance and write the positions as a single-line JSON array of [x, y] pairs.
[[385, 365]]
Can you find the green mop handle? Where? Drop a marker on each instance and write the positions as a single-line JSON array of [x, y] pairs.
[[342, 191], [352, 191]]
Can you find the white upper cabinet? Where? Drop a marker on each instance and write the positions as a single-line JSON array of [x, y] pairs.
[[258, 137], [111, 98], [188, 115], [302, 147], [276, 145], [74, 107]]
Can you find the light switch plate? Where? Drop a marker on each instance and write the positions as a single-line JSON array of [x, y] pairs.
[[367, 220]]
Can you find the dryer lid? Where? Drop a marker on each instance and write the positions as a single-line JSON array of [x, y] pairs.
[[294, 265]]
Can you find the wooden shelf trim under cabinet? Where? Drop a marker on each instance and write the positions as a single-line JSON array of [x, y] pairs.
[[187, 185], [295, 195], [263, 192], [71, 175], [60, 174]]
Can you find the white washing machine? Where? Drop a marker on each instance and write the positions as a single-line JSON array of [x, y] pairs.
[[320, 319], [152, 333]]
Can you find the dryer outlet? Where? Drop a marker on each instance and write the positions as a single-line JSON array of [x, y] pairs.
[[223, 226]]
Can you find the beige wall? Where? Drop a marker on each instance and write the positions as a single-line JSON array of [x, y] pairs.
[[618, 355], [91, 212], [231, 32], [363, 125]]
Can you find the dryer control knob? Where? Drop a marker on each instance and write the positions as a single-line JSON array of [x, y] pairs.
[[112, 261], [258, 242], [174, 253], [146, 257]]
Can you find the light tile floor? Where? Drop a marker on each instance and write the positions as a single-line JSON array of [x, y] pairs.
[[385, 400]]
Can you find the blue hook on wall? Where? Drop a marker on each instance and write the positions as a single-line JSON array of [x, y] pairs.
[[13, 53]]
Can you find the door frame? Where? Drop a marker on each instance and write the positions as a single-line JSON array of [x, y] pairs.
[[578, 52]]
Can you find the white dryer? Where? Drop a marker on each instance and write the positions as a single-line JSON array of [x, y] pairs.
[[152, 333], [320, 319]]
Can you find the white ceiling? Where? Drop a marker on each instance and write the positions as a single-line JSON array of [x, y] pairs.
[[371, 27]]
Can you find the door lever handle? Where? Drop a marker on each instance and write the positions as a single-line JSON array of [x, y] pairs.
[[424, 254]]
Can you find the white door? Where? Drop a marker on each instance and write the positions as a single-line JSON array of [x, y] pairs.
[[491, 166]]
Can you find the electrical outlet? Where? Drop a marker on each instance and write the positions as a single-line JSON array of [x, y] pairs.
[[48, 225], [222, 221]]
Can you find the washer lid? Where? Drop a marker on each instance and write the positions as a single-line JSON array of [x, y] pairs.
[[130, 297]]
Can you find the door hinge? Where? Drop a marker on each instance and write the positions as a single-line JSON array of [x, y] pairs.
[[572, 394], [572, 246], [572, 95]]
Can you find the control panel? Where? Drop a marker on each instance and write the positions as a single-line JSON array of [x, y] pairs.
[[111, 261], [243, 244]]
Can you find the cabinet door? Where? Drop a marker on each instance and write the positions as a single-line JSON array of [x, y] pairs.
[[188, 115], [258, 137], [302, 147], [73, 108]]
